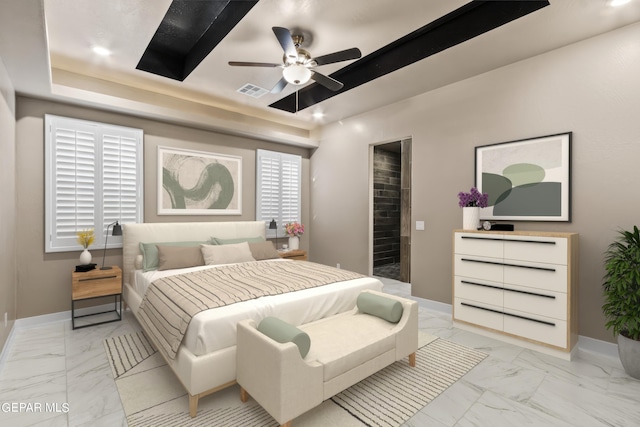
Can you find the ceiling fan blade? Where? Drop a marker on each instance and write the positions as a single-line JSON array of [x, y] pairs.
[[253, 64], [279, 86], [328, 82], [343, 55], [284, 37]]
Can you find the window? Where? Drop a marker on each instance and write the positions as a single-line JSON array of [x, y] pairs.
[[278, 189], [93, 175]]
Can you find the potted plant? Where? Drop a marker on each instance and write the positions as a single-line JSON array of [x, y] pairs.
[[471, 203], [85, 238], [294, 230], [622, 297]]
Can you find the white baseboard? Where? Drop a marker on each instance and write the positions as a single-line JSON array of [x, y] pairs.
[[599, 351], [7, 345]]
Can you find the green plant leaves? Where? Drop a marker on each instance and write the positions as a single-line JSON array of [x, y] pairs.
[[621, 285]]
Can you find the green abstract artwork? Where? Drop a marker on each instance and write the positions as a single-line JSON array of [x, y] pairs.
[[198, 183], [527, 179]]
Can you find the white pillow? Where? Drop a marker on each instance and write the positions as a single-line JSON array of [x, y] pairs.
[[226, 254]]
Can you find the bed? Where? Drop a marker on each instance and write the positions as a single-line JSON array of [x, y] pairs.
[[205, 360]]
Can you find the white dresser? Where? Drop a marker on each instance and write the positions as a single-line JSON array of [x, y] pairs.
[[518, 286]]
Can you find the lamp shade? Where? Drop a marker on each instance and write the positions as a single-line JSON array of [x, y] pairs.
[[273, 225], [296, 74]]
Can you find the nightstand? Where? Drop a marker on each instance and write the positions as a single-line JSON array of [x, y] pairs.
[[96, 284], [296, 254]]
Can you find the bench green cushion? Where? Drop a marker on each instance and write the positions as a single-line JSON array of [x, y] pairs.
[[376, 305], [282, 332]]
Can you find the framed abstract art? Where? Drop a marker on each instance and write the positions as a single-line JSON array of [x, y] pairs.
[[526, 180], [198, 183]]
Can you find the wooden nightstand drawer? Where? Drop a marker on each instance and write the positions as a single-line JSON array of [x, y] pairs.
[[96, 283], [295, 254]]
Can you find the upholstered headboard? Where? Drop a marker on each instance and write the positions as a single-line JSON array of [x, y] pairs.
[[133, 234]]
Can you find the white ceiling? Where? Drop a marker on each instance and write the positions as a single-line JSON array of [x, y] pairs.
[[46, 46]]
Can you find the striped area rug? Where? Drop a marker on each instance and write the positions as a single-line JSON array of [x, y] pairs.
[[151, 395], [393, 395], [127, 351]]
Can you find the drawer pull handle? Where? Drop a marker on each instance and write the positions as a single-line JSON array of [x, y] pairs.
[[481, 238], [509, 314], [509, 265], [97, 278], [544, 242], [466, 282], [530, 293]]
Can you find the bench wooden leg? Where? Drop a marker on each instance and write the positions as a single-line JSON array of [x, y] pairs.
[[193, 405], [244, 396], [287, 424], [412, 359]]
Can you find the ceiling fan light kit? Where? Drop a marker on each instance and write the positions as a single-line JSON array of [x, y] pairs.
[[296, 74], [297, 64]]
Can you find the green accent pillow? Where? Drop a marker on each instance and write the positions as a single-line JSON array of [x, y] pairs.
[[379, 306], [282, 332], [218, 241], [150, 252]]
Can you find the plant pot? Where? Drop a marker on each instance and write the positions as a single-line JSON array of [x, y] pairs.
[[470, 218], [629, 352]]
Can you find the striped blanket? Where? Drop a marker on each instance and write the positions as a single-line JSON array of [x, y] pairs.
[[171, 302]]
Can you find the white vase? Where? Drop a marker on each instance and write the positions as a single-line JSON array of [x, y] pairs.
[[294, 242], [85, 257], [470, 218]]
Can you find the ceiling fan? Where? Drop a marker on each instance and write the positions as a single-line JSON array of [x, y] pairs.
[[297, 64]]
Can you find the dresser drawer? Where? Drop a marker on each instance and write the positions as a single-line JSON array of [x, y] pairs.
[[551, 277], [489, 245], [552, 331], [541, 302], [478, 290], [551, 250], [484, 268], [479, 314]]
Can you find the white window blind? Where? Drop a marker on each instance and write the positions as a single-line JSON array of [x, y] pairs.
[[278, 188], [93, 175]]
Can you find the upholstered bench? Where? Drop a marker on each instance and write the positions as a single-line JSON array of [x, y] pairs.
[[289, 370]]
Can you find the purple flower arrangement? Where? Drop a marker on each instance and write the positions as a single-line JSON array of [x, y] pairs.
[[473, 198]]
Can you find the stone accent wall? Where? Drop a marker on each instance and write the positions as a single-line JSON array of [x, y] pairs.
[[386, 207]]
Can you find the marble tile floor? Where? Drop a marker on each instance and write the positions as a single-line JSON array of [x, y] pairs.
[[66, 373]]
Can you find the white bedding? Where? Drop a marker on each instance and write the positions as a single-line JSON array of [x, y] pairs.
[[215, 329]]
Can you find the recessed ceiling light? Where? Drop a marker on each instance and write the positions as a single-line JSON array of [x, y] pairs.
[[616, 3], [102, 51], [318, 115]]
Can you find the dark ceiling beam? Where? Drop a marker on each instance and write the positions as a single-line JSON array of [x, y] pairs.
[[464, 23], [189, 31]]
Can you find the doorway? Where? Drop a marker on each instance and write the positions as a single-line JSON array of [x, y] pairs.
[[391, 210]]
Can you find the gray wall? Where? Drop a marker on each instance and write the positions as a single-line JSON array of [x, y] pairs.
[[8, 282], [590, 88], [45, 278]]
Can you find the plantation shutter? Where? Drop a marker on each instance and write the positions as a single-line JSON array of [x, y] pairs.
[[93, 178], [278, 188]]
